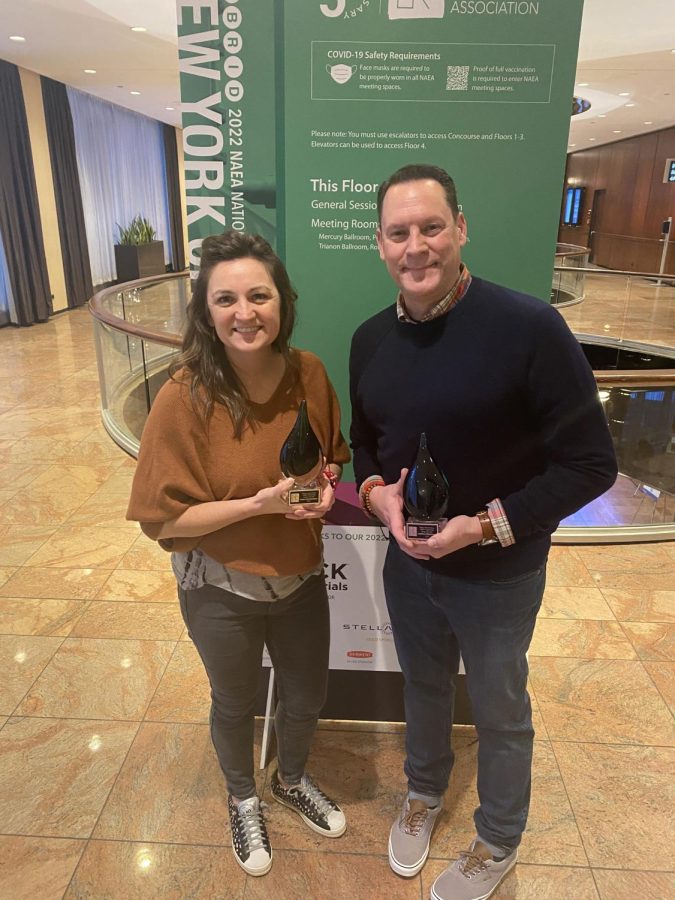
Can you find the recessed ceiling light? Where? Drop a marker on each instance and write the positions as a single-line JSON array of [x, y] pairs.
[[135, 93], [90, 71], [616, 131], [17, 37], [572, 145], [138, 28], [602, 116], [649, 123], [630, 104], [591, 139], [583, 84], [169, 107], [625, 94]]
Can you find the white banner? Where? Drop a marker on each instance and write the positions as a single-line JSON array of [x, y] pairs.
[[361, 635], [360, 631]]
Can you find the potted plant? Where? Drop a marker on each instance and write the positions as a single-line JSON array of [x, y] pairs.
[[137, 253]]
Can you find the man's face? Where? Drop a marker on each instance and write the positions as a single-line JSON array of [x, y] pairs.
[[420, 241]]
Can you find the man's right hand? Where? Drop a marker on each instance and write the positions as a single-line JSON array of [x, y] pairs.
[[386, 502]]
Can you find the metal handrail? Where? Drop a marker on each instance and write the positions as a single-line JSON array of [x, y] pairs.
[[656, 275], [98, 311]]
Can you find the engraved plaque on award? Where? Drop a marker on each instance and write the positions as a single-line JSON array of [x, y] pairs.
[[301, 458], [425, 496]]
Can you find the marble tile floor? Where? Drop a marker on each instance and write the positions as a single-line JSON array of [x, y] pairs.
[[631, 309], [109, 786]]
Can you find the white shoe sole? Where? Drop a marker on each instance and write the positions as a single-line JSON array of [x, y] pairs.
[[434, 896], [317, 828], [405, 871], [256, 873]]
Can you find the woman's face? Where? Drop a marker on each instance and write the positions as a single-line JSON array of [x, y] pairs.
[[244, 306]]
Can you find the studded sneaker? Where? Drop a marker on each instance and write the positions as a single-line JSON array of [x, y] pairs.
[[250, 842], [474, 876], [410, 836], [322, 814]]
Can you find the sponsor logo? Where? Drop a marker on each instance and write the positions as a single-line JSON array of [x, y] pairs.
[[359, 654], [336, 578], [383, 627]]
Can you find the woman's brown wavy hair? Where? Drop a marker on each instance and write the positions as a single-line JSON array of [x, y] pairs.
[[211, 376]]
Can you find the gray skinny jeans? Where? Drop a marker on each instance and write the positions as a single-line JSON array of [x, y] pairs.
[[229, 632]]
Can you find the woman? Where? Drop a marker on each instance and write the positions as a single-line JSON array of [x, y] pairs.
[[248, 566]]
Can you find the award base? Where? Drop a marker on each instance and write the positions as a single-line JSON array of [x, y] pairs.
[[416, 530], [304, 496]]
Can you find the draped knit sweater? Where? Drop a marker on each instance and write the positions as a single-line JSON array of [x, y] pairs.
[[184, 461]]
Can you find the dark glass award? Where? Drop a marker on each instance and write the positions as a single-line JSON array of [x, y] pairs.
[[301, 458], [425, 496]]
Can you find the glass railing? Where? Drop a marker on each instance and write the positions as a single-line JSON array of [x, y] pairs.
[[138, 326], [568, 281]]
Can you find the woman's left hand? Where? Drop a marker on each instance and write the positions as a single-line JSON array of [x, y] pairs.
[[318, 511]]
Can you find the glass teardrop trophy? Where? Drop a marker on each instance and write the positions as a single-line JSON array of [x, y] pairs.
[[301, 459], [426, 494]]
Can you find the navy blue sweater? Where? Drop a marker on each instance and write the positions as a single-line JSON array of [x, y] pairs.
[[510, 408]]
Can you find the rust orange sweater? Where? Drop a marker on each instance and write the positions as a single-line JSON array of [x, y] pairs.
[[182, 461]]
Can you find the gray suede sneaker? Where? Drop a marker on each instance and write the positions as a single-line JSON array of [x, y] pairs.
[[410, 835], [474, 876]]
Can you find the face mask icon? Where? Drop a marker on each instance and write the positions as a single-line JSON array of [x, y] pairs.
[[341, 73]]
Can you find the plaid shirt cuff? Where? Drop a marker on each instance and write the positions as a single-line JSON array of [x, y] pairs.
[[500, 523]]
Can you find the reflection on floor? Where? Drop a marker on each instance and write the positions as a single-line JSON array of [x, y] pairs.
[[108, 783], [633, 309]]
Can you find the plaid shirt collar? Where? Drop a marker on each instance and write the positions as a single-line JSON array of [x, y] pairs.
[[452, 298]]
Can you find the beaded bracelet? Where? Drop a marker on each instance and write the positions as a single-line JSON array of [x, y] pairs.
[[365, 494], [330, 477]]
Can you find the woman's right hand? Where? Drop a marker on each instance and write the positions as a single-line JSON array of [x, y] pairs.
[[273, 499]]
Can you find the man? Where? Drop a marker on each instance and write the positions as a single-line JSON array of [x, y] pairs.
[[512, 416]]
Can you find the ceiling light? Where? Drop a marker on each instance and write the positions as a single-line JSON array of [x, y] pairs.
[[17, 37], [591, 139], [616, 131], [630, 104], [651, 123], [602, 116], [170, 108], [135, 93], [583, 84], [572, 145], [90, 71], [625, 94], [138, 28]]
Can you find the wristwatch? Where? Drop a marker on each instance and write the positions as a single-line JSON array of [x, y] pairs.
[[489, 536]]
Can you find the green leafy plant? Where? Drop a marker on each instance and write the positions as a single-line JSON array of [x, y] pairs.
[[138, 231]]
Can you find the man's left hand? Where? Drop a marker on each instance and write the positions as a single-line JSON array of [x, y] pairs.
[[457, 533]]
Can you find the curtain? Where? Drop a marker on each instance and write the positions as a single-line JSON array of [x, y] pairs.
[[20, 226], [74, 251], [175, 202], [120, 158]]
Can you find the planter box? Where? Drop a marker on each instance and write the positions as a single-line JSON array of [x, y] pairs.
[[134, 261]]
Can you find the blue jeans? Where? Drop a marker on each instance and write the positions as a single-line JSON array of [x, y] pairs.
[[434, 617]]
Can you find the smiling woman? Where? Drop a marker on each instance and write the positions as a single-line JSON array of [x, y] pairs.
[[248, 565]]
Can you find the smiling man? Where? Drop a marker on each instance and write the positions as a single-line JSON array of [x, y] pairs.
[[512, 416]]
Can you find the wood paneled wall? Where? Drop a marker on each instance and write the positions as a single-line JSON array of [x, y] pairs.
[[635, 202]]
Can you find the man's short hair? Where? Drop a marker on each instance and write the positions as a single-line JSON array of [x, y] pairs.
[[419, 172]]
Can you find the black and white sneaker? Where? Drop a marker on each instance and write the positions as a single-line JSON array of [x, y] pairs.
[[322, 814], [250, 842]]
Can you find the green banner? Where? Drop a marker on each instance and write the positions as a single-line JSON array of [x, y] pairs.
[[317, 102]]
